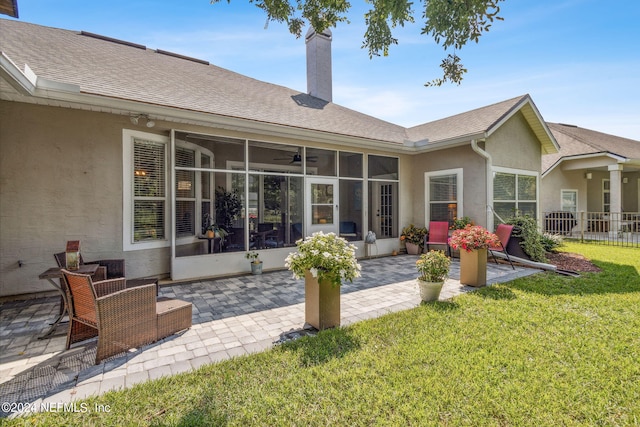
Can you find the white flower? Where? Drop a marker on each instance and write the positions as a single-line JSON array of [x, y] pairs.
[[325, 256]]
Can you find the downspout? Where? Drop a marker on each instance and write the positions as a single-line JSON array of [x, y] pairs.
[[489, 178]]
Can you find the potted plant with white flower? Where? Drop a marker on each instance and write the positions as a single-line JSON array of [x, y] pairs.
[[325, 261], [434, 270]]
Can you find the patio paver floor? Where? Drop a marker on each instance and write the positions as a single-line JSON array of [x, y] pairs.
[[231, 317]]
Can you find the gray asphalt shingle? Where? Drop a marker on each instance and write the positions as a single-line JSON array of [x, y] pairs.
[[133, 72]]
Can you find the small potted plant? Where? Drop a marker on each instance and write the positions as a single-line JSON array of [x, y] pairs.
[[256, 264], [434, 269], [460, 223], [215, 230], [413, 238]]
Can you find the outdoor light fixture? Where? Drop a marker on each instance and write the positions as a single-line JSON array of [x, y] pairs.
[[135, 119], [588, 175]]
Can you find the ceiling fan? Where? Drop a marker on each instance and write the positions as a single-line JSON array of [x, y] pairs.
[[297, 158]]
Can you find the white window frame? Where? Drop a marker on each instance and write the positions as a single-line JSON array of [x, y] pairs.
[[459, 172], [128, 244], [197, 199], [498, 169], [568, 190], [607, 191], [372, 196]]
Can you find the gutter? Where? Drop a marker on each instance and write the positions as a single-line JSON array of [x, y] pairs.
[[489, 179], [24, 83]]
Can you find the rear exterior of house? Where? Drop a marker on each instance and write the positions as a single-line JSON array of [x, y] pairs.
[[137, 152]]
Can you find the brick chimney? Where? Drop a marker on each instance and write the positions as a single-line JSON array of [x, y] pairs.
[[319, 64]]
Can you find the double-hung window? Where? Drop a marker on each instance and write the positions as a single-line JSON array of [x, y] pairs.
[[515, 192], [569, 201], [145, 159], [443, 195]]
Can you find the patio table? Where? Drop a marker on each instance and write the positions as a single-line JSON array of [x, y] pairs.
[[56, 273]]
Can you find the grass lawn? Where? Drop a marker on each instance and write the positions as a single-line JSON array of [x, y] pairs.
[[542, 350]]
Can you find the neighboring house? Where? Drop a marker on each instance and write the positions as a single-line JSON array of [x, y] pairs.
[[134, 152], [595, 173]]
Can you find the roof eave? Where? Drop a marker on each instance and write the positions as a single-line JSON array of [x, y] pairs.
[[619, 159], [425, 146], [536, 122], [43, 91]]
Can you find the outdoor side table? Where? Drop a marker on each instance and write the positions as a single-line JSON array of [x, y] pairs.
[[55, 273]]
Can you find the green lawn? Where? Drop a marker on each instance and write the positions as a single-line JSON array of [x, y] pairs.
[[543, 350]]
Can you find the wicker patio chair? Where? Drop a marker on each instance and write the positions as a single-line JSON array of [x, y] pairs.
[[120, 318], [109, 269]]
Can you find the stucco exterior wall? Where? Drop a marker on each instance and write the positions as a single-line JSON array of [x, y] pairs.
[[557, 180], [514, 145], [631, 192], [594, 191], [61, 179], [474, 181]]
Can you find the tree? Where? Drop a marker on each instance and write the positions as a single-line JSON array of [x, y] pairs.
[[451, 23]]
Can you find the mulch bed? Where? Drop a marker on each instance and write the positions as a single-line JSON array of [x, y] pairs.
[[572, 262]]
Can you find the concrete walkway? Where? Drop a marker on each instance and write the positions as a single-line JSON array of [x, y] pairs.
[[231, 317]]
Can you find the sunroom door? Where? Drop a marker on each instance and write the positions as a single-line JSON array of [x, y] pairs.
[[322, 197]]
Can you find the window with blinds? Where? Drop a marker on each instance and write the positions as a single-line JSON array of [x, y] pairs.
[[149, 190], [514, 193], [443, 197]]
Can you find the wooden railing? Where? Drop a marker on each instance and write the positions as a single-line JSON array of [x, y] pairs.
[[611, 228]]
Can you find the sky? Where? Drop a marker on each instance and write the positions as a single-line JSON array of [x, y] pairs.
[[578, 59]]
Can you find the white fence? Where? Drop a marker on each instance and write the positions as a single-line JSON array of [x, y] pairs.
[[611, 228]]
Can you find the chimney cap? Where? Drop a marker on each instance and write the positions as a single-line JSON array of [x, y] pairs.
[[312, 31]]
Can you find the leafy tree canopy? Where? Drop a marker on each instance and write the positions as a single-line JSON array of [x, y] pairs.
[[451, 23]]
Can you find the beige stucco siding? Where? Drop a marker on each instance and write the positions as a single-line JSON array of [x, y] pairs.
[[514, 145], [474, 180], [61, 179], [557, 180]]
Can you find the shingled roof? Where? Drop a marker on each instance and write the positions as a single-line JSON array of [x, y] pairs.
[[575, 141], [120, 70], [481, 122]]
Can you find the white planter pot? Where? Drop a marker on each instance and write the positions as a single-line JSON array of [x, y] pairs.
[[430, 291]]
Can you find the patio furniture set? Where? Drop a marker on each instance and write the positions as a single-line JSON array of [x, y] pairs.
[[122, 313]]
